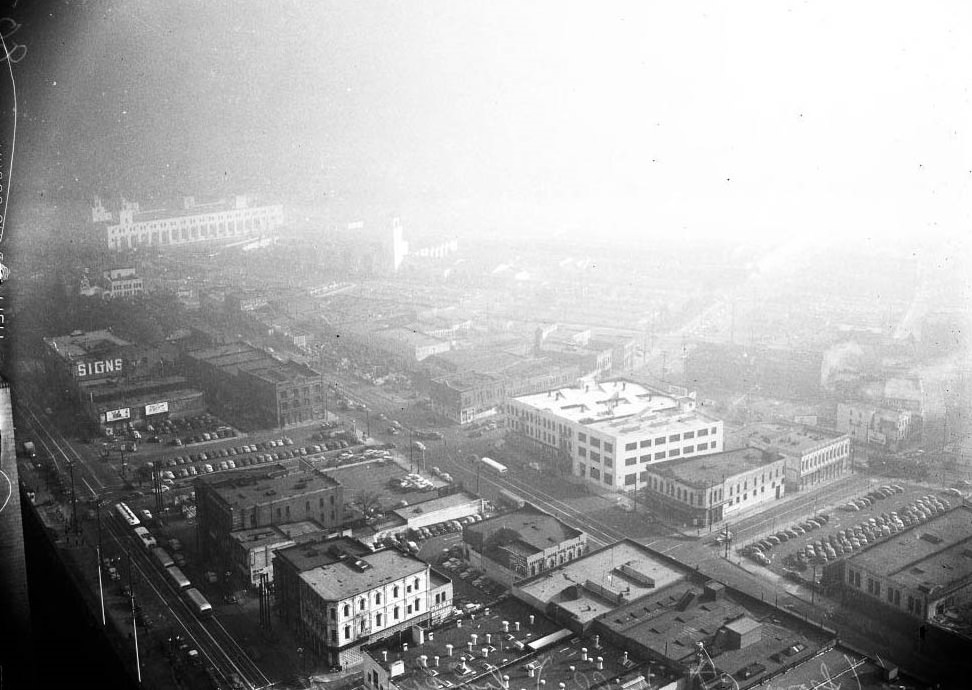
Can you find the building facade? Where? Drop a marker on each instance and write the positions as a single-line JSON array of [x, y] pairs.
[[611, 431], [813, 455], [701, 491], [122, 282], [131, 228], [521, 544], [263, 497], [887, 427], [336, 598], [254, 387]]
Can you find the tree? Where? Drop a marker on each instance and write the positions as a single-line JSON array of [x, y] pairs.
[[367, 502]]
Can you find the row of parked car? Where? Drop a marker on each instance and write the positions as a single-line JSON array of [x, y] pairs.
[[873, 497], [472, 576], [760, 549]]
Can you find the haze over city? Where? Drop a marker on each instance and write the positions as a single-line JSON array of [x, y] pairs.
[[368, 345]]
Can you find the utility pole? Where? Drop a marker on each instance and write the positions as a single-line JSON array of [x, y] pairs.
[[74, 499], [101, 590], [138, 663]]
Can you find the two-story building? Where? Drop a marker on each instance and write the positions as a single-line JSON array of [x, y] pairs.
[[813, 455], [704, 490], [881, 426]]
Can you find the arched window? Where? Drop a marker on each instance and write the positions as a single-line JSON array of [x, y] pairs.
[[347, 610]]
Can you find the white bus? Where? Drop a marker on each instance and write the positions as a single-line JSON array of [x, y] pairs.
[[496, 467], [202, 607], [178, 578], [147, 539], [126, 514]]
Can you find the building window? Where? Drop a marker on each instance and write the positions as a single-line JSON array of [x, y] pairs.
[[646, 458], [395, 591], [674, 452], [582, 451], [608, 478], [418, 583], [378, 620], [418, 604], [628, 462], [608, 462], [361, 605], [396, 612], [660, 440], [595, 442], [688, 449], [332, 614], [646, 443], [674, 437], [347, 632], [595, 473], [703, 432], [703, 446], [660, 456], [408, 610], [378, 598], [688, 434], [630, 479], [582, 437], [595, 457], [631, 446], [347, 610], [608, 447]]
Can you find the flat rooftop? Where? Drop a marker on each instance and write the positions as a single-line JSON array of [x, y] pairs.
[[525, 650], [314, 553], [350, 576], [264, 486], [675, 619], [537, 530], [615, 407], [77, 345], [714, 469], [409, 336], [934, 553], [565, 586], [240, 357], [787, 439], [256, 537]]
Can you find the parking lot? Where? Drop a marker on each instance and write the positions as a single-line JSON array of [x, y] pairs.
[[829, 535]]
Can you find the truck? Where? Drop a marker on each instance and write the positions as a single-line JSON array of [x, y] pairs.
[[29, 449]]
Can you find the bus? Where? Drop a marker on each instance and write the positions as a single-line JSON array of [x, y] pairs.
[[178, 578], [496, 467], [127, 515], [163, 557], [202, 607], [147, 539]]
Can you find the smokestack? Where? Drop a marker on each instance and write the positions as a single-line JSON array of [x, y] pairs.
[[506, 626], [597, 641], [600, 663], [448, 650], [474, 637], [435, 660], [531, 619], [624, 658], [583, 653], [489, 638], [384, 655]]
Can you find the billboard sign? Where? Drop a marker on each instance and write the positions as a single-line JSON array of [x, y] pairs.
[[101, 366], [118, 415], [156, 408]]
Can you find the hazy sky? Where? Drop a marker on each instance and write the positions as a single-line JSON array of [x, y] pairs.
[[841, 119]]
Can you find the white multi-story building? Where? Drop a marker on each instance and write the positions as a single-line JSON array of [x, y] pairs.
[[813, 455], [611, 431], [342, 601], [877, 425], [228, 219]]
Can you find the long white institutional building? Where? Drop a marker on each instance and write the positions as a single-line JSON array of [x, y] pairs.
[[613, 430], [226, 219]]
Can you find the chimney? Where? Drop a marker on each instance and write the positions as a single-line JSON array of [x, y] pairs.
[[474, 638], [583, 653], [423, 661], [418, 635], [624, 658], [485, 652], [404, 647], [516, 626], [600, 663], [506, 681], [448, 650], [485, 612], [459, 623], [470, 645], [572, 668], [489, 638], [597, 641], [506, 626], [530, 671], [384, 655], [435, 660], [431, 636]]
